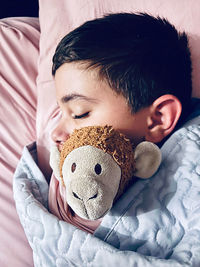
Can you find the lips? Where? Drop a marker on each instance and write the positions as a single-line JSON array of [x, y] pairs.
[[91, 216]]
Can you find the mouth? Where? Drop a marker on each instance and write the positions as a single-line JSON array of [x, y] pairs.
[[89, 217]]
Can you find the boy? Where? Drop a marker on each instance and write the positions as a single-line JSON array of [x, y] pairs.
[[142, 59], [133, 71]]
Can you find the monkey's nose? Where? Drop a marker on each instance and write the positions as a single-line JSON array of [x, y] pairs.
[[93, 196], [76, 196]]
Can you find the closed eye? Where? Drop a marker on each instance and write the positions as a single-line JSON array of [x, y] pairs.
[[84, 115]]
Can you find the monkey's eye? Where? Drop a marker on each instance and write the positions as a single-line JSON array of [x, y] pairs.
[[73, 167], [97, 168]]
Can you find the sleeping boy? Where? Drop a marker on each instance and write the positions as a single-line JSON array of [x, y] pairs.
[[133, 71], [129, 71]]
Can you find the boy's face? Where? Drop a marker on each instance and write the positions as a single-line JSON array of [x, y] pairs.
[[85, 100]]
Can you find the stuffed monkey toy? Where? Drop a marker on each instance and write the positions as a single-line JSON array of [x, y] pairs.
[[97, 164]]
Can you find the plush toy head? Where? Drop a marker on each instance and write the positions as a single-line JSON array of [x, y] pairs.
[[96, 165]]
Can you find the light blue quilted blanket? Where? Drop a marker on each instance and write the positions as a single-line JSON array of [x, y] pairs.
[[155, 223]]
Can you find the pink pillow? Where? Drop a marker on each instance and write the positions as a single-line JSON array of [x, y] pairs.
[[57, 19], [19, 39]]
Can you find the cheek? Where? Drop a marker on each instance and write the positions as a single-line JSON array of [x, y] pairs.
[[102, 116], [110, 117], [114, 113]]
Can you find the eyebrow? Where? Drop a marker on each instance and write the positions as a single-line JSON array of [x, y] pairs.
[[73, 96]]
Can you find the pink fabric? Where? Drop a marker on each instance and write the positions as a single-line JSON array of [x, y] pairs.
[[19, 54], [67, 15], [58, 206], [19, 40]]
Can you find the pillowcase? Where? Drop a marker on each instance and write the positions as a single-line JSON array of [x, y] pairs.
[[57, 18], [19, 39]]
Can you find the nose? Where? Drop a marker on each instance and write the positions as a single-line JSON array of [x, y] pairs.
[[88, 197], [84, 188], [59, 135]]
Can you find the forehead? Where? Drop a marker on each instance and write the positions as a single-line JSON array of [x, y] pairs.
[[76, 73], [88, 154], [79, 67], [86, 157], [76, 78]]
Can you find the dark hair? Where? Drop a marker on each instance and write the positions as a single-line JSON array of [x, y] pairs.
[[140, 56]]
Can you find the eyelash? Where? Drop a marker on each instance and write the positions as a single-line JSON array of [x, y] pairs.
[[84, 115]]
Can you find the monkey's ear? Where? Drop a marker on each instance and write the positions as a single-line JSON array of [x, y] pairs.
[[55, 161], [147, 159]]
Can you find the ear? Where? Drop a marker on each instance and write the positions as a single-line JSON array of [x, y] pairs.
[[147, 159], [163, 116], [55, 161]]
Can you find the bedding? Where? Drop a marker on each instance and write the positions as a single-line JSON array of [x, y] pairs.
[[28, 108], [155, 223], [19, 39]]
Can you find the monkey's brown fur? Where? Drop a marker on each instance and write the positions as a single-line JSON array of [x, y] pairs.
[[111, 142]]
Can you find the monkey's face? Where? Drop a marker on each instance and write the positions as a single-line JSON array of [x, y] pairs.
[[91, 179]]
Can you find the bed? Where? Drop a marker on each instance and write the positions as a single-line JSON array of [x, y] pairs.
[[28, 109]]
